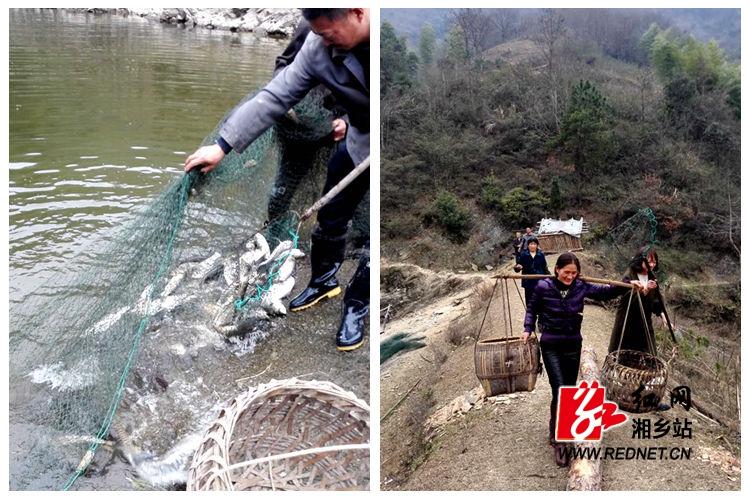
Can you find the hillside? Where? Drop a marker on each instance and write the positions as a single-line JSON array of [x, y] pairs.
[[705, 24], [439, 432], [478, 144]]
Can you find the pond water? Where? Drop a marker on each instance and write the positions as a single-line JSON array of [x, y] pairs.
[[103, 110]]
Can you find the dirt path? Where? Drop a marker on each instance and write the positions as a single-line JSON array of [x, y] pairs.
[[438, 432]]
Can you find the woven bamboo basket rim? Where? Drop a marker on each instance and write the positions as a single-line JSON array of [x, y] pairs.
[[338, 460], [615, 358], [622, 380], [498, 340]]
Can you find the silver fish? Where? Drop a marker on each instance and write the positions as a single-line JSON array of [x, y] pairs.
[[272, 299]]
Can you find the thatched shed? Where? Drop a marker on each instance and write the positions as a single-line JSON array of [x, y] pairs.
[[558, 236]]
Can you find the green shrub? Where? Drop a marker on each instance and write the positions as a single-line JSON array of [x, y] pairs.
[[452, 217], [520, 206]]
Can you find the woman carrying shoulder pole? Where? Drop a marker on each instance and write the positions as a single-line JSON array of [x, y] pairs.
[[556, 307]]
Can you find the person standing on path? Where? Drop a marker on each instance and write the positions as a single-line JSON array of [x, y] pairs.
[[531, 261], [634, 330], [556, 308]]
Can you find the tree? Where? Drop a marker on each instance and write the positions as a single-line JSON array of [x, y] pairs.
[[427, 44], [646, 43], [555, 198], [476, 28], [700, 87], [551, 29], [507, 23], [456, 51], [397, 64], [584, 133], [452, 217], [666, 56], [521, 205]]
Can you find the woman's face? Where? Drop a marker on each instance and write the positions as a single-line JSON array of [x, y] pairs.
[[649, 264], [567, 273], [533, 246]]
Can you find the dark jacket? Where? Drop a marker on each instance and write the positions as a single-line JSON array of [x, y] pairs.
[[532, 265], [637, 334], [290, 52], [517, 243], [560, 317], [315, 64], [525, 238]]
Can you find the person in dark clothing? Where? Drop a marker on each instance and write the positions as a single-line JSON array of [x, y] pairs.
[[299, 145], [335, 54], [517, 244], [638, 333], [527, 236], [531, 261], [556, 307]]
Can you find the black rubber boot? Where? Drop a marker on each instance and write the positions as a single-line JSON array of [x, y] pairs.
[[351, 334], [326, 256]]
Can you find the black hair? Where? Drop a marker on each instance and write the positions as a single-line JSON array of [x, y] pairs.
[[332, 14], [567, 258], [533, 240], [641, 258]]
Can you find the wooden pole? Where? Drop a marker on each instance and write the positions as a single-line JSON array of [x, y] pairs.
[[601, 281], [336, 189]]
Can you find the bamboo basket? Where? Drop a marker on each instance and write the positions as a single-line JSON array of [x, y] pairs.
[[625, 371], [505, 365], [286, 435]]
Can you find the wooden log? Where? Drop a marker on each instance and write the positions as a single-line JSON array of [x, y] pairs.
[[589, 368], [585, 474]]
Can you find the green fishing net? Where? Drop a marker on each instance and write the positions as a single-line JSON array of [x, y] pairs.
[[92, 332], [637, 233]]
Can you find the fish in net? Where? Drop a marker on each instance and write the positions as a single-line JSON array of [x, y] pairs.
[[200, 255]]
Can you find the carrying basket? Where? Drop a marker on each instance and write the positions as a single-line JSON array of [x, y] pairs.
[[286, 435], [624, 372], [635, 380], [505, 364]]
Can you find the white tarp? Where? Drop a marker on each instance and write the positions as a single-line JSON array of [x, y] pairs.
[[551, 226]]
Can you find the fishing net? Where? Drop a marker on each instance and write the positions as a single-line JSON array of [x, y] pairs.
[[93, 332], [715, 390], [638, 232]]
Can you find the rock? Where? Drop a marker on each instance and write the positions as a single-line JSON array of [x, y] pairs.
[[266, 22]]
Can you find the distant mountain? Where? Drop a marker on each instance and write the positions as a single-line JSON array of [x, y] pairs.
[[410, 22], [722, 25]]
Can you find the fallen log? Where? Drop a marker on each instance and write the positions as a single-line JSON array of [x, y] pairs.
[[585, 474]]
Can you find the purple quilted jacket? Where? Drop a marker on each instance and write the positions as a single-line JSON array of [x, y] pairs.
[[558, 313]]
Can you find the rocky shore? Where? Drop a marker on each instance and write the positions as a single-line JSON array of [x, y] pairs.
[[264, 22]]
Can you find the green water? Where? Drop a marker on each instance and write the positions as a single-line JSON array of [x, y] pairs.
[[102, 112]]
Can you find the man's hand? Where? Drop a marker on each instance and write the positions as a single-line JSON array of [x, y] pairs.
[[339, 129], [525, 336], [207, 158]]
